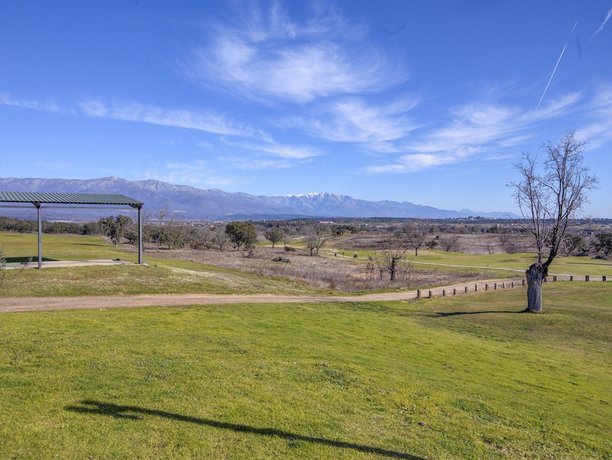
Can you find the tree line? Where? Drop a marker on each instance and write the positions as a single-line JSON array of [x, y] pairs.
[[395, 239]]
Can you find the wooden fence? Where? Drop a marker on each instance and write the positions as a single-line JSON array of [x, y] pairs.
[[499, 285]]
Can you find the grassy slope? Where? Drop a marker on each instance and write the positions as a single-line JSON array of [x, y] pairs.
[[446, 378]]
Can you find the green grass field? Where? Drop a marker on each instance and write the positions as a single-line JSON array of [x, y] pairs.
[[60, 247], [166, 276], [176, 276], [503, 264], [462, 377]]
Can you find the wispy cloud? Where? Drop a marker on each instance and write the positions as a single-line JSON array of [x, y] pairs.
[[43, 106], [414, 162], [353, 120], [603, 24], [270, 147], [197, 173], [599, 128], [178, 118], [476, 130], [254, 164], [205, 121], [241, 137], [267, 55]]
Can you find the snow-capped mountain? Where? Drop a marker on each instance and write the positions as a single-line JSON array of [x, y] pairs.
[[185, 202]]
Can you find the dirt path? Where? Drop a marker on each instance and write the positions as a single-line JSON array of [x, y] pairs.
[[17, 304]]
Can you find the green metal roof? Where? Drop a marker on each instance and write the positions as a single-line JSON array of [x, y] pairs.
[[68, 198]]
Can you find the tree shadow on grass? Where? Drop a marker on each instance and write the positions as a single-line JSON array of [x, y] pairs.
[[442, 314], [134, 412], [24, 260]]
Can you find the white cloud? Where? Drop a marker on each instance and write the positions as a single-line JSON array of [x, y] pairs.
[[270, 147], [197, 174], [177, 118], [266, 55], [555, 108], [475, 130], [43, 106], [261, 164], [599, 130], [209, 122], [352, 120], [414, 162]]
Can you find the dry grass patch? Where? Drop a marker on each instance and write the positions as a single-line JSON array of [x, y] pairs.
[[329, 273]]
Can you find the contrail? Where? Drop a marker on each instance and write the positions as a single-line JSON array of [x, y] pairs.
[[556, 65], [603, 24]]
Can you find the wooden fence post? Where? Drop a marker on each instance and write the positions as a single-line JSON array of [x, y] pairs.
[[418, 293], [523, 282], [554, 278], [443, 292], [571, 277], [603, 278], [466, 289], [587, 277], [455, 291], [430, 293], [476, 287]]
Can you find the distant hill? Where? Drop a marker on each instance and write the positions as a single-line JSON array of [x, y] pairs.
[[184, 202]]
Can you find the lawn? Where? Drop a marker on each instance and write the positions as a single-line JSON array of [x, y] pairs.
[[60, 247], [165, 276], [462, 377]]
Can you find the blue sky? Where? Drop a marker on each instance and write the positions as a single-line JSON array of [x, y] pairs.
[[430, 102]]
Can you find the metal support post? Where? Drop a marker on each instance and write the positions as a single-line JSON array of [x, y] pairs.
[[140, 235], [40, 264]]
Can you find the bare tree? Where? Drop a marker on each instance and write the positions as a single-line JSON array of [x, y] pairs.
[[315, 239], [219, 238], [450, 243], [549, 200], [416, 234], [506, 240], [391, 258], [396, 247]]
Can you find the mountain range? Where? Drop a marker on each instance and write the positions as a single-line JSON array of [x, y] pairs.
[[191, 203]]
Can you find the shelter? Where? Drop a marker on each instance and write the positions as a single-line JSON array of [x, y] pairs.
[[44, 200]]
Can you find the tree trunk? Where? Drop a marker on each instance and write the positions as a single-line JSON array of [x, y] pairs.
[[535, 276], [393, 268]]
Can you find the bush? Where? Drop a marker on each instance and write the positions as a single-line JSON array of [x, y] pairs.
[[274, 235], [242, 234]]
